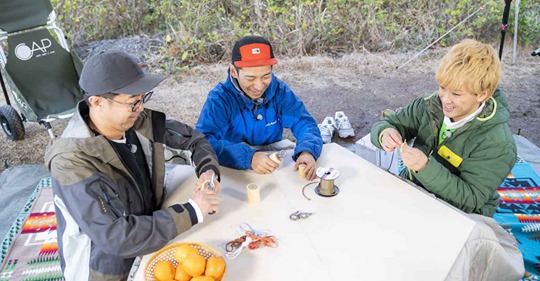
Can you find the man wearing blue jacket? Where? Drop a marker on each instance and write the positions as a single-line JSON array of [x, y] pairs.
[[250, 110]]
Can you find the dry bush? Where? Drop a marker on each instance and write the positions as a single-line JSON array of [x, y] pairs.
[[204, 31]]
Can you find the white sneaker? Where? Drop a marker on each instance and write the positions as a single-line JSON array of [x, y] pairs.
[[326, 133], [327, 128], [329, 121], [343, 125]]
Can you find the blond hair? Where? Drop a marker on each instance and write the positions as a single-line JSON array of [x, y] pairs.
[[470, 64]]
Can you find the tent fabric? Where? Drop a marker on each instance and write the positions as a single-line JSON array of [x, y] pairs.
[[16, 185], [529, 152]]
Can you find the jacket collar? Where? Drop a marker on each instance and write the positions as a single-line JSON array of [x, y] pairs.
[[79, 138], [77, 126], [495, 111]]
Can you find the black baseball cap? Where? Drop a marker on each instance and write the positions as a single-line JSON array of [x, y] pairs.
[[116, 72], [251, 51]]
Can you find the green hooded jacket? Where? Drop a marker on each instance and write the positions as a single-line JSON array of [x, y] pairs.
[[466, 168]]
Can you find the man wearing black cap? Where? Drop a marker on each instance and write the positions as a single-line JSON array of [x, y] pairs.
[[246, 114], [108, 172]]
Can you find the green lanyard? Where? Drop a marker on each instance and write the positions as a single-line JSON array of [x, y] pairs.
[[443, 133]]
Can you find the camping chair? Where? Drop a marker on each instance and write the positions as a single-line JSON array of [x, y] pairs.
[[39, 69]]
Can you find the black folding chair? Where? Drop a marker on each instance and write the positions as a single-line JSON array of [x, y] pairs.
[[39, 72]]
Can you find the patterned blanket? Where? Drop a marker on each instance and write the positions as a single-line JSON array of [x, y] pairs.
[[30, 252], [519, 214]]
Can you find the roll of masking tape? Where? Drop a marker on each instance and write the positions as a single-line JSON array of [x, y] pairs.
[[253, 194], [302, 171]]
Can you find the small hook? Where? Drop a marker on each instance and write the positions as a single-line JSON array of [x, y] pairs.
[[300, 215]]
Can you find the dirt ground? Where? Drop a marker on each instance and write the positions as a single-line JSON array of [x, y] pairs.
[[361, 85]]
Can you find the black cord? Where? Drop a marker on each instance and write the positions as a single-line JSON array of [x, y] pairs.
[[391, 160], [304, 188]]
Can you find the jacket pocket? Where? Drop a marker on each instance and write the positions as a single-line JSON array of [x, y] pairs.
[[111, 202]]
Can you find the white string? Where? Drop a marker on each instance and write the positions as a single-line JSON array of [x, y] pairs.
[[233, 254], [246, 227]]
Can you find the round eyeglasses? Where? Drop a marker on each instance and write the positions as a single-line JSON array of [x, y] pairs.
[[134, 106]]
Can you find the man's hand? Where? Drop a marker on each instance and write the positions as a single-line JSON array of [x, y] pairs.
[[413, 158], [311, 165], [207, 200], [262, 164], [391, 139], [207, 176]]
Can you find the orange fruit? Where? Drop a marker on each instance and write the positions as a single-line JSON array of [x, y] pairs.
[[164, 270], [194, 265], [181, 275], [203, 278], [215, 267], [183, 251]]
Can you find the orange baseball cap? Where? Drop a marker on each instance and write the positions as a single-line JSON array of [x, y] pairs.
[[251, 51]]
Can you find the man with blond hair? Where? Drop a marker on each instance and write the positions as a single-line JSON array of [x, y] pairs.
[[462, 151], [463, 148]]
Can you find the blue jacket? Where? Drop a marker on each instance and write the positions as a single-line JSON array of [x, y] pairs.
[[229, 122]]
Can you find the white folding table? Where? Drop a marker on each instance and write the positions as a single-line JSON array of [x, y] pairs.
[[377, 227]]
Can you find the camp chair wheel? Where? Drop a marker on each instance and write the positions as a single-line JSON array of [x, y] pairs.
[[11, 123]]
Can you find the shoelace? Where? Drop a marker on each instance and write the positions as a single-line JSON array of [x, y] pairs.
[[343, 123], [325, 130]]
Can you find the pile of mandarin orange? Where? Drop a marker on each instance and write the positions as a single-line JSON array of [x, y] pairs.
[[191, 266]]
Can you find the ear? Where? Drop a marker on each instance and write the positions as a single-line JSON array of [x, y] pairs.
[[234, 73], [94, 101], [483, 96]]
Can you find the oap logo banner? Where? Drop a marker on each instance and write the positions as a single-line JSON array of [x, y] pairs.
[[38, 49]]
